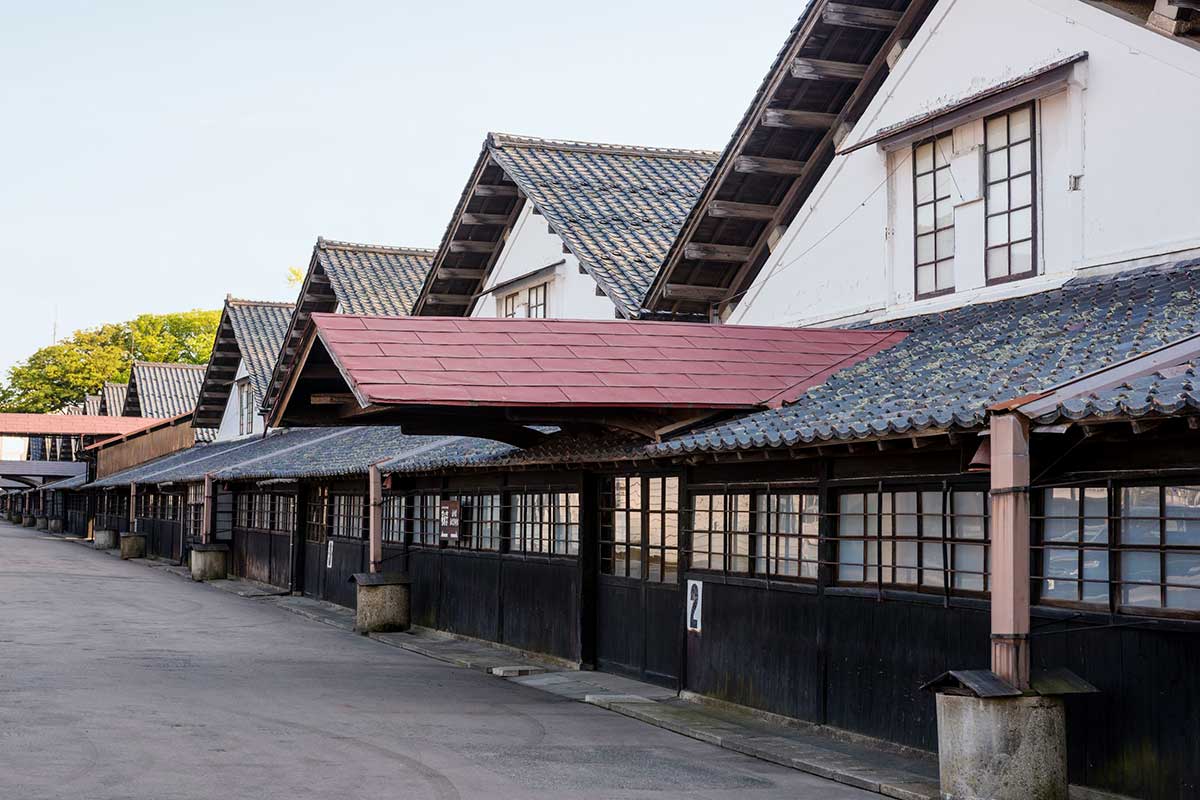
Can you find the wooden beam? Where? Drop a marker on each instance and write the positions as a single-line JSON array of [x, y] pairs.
[[496, 190], [448, 299], [331, 399], [818, 69], [469, 218], [804, 120], [850, 15], [699, 294], [459, 273], [727, 209], [463, 246], [698, 251], [767, 166]]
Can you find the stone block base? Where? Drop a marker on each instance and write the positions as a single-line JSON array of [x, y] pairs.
[[1011, 748], [104, 539], [133, 545], [41, 523], [55, 525], [383, 603], [27, 521], [209, 562]]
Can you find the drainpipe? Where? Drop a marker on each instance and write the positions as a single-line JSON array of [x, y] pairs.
[[206, 515], [375, 518], [1010, 547]]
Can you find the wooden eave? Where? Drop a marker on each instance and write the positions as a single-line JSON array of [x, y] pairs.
[[474, 239], [219, 376], [316, 295], [820, 84]]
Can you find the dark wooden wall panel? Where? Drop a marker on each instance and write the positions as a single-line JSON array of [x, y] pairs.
[[539, 602]]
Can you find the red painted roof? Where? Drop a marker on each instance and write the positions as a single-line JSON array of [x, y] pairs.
[[542, 362], [69, 425]]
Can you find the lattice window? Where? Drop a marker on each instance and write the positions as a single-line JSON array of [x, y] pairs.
[[906, 538], [1011, 194], [545, 522], [933, 195], [316, 522], [639, 528], [347, 516]]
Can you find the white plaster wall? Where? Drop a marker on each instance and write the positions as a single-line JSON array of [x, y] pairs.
[[229, 418], [531, 246], [13, 448], [849, 251]]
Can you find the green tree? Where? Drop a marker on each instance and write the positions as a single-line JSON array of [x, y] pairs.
[[68, 370]]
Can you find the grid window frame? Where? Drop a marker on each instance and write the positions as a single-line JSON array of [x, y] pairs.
[[544, 522], [536, 301], [946, 539], [246, 404], [510, 305], [639, 535], [750, 532], [1004, 195], [933, 228]]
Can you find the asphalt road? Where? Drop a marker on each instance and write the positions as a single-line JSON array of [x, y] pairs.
[[122, 681]]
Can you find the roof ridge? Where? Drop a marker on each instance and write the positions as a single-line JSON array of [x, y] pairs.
[[500, 140], [241, 301], [167, 364], [334, 244]]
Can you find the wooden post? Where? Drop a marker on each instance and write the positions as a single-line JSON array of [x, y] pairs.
[[1010, 548], [375, 519], [207, 516], [132, 507]]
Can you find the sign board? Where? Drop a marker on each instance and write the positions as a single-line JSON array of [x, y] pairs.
[[329, 555], [694, 605], [449, 517]]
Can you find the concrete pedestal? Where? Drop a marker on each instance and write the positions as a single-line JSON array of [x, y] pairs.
[[1011, 748], [41, 523], [104, 539], [383, 602], [27, 521], [133, 545], [55, 525], [210, 562]]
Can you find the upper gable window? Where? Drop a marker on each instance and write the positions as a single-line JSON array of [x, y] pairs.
[[536, 301], [1009, 172], [245, 407], [934, 218], [511, 305]]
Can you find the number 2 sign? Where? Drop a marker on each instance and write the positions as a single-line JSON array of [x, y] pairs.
[[694, 605]]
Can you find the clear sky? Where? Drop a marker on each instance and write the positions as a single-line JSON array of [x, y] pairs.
[[155, 156]]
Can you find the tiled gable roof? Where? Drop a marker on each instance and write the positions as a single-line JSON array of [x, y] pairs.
[[954, 365], [616, 208], [163, 390], [358, 279], [374, 279], [259, 328], [91, 405], [112, 399], [325, 453]]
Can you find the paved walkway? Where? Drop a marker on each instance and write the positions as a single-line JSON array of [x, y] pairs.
[[123, 681]]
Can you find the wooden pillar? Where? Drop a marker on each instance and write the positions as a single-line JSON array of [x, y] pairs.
[[1010, 548], [132, 507], [207, 517], [375, 518]]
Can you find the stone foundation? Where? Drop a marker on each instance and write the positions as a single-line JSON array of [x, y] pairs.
[[105, 539], [133, 545], [55, 525], [383, 602], [27, 521], [209, 562], [41, 523], [1010, 748]]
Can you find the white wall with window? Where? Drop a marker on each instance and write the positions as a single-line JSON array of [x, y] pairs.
[[1088, 176], [534, 277], [241, 416]]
